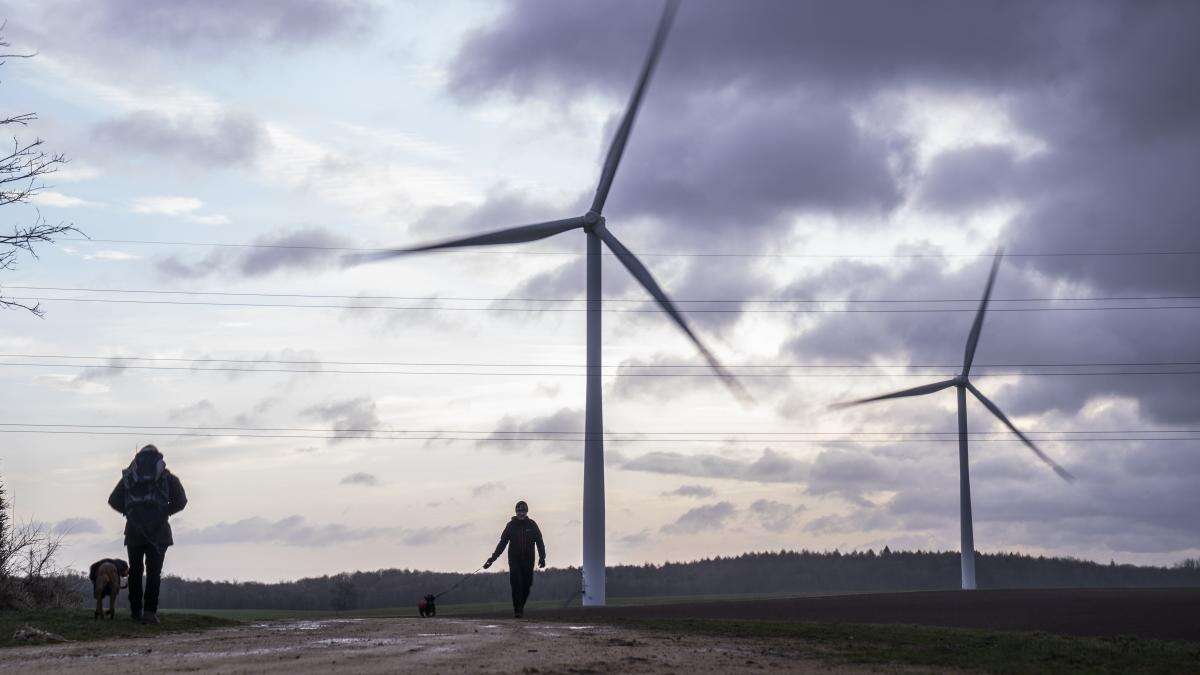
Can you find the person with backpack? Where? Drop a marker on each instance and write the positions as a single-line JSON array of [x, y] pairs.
[[520, 535], [147, 495]]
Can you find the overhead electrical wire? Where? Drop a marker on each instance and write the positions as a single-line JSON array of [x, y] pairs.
[[159, 291], [348, 249], [780, 365], [426, 308], [618, 374], [541, 437]]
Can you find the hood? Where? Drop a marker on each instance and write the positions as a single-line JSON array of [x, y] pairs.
[[148, 463]]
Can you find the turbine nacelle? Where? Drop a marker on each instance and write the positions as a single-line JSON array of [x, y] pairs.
[[592, 222]]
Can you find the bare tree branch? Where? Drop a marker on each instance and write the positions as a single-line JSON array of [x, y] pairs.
[[21, 172]]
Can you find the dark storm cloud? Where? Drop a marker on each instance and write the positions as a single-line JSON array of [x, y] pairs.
[[1108, 89], [753, 116], [762, 46], [969, 178], [353, 418], [1008, 337], [702, 519], [220, 26], [303, 249], [232, 139], [1138, 498]]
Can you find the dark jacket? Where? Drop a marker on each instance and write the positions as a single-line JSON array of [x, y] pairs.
[[521, 536], [153, 534]]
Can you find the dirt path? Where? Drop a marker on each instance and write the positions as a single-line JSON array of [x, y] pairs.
[[390, 645]]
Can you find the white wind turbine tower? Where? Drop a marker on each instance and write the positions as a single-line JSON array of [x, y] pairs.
[[963, 384], [593, 224]]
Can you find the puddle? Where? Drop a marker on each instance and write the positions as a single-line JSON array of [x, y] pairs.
[[366, 642], [580, 627], [307, 624], [489, 625], [261, 651]]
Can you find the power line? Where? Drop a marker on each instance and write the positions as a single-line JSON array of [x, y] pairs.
[[424, 308], [149, 291], [103, 430], [488, 434], [1077, 364], [618, 374], [485, 251]]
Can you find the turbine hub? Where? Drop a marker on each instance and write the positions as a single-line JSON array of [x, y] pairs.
[[591, 219]]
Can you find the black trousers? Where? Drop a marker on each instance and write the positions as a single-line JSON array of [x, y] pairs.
[[520, 576], [147, 559]]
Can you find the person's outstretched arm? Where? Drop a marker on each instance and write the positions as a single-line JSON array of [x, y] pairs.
[[541, 546], [499, 548], [176, 497], [117, 499]]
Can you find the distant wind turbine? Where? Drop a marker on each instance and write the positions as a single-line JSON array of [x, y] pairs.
[[964, 385], [593, 224]]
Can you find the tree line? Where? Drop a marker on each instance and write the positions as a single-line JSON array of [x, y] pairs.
[[784, 572]]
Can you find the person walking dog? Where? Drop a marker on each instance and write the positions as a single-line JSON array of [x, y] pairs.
[[521, 535], [147, 495]]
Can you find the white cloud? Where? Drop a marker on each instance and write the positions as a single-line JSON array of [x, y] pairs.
[[59, 200], [166, 206], [177, 207]]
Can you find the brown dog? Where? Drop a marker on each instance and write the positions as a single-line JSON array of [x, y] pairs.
[[106, 576]]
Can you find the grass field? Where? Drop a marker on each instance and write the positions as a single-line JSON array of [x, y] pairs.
[[923, 646], [78, 625], [463, 609]]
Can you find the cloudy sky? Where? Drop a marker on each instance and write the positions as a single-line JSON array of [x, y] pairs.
[[820, 184]]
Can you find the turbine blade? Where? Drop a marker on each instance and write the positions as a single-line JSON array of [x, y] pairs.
[[915, 391], [512, 235], [1062, 473], [643, 276], [973, 338], [617, 148]]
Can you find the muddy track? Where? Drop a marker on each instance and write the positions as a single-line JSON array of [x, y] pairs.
[[391, 645]]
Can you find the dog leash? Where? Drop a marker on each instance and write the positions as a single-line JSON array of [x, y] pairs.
[[459, 582]]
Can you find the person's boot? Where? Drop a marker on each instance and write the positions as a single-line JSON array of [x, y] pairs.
[[135, 615], [150, 618]]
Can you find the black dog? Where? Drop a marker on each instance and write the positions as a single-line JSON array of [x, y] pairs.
[[426, 607]]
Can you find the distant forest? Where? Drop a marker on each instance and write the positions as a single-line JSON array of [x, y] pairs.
[[788, 572]]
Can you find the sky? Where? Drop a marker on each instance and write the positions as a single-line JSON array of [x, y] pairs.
[[820, 185]]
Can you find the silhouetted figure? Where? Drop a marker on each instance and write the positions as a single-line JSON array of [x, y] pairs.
[[520, 535], [147, 495]]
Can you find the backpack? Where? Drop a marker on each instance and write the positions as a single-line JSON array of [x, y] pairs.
[[147, 496]]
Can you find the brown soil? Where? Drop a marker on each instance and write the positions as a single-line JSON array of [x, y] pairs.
[[405, 645], [1170, 614]]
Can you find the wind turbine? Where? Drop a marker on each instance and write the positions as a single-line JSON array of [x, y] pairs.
[[963, 384], [593, 224]]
